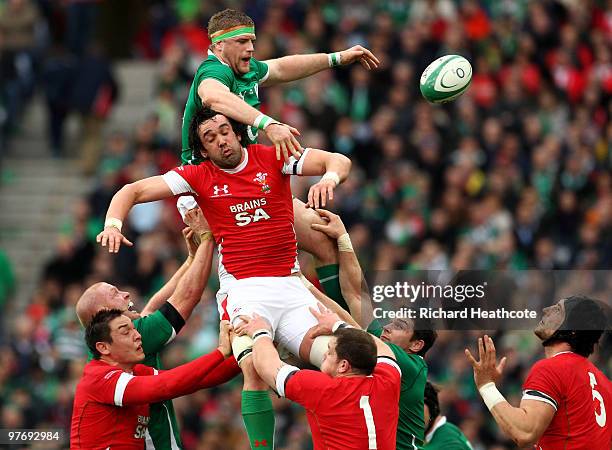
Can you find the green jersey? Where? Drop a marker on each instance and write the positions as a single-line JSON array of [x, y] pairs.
[[245, 86], [411, 424], [446, 436], [157, 330]]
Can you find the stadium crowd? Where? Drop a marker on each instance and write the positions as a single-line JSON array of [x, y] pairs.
[[515, 174]]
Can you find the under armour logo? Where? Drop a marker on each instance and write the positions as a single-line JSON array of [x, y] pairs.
[[224, 190], [262, 443]]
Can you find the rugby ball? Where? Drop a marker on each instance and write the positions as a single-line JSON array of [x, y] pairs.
[[446, 78]]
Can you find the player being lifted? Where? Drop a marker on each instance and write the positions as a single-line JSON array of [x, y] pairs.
[[228, 81], [244, 193], [566, 400]]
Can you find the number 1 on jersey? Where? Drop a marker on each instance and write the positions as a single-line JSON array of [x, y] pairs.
[[364, 403]]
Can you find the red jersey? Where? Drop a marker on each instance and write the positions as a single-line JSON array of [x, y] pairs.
[[249, 209], [111, 406], [582, 397], [349, 413], [99, 419]]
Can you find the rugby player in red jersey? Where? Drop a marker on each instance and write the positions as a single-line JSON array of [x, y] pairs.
[[245, 195], [111, 403], [352, 404], [566, 401]]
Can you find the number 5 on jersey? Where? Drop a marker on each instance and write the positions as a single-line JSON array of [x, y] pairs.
[[601, 417]]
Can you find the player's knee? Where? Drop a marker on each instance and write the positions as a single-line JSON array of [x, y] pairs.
[[314, 242]]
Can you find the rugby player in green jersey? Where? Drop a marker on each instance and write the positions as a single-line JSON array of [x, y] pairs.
[[408, 339], [162, 319], [440, 434], [228, 81]]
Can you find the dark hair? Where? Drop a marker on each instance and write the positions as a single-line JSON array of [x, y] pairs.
[[201, 116], [226, 19], [98, 329], [584, 323], [423, 330], [431, 400], [358, 348]]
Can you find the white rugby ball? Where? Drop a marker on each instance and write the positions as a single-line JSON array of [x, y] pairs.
[[446, 78]]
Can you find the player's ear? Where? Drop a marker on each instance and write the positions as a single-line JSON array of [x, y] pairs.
[[343, 366], [103, 348], [417, 345]]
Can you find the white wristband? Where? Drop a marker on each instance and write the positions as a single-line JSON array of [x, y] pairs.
[[345, 244], [261, 333], [114, 223], [491, 395], [334, 59], [331, 176]]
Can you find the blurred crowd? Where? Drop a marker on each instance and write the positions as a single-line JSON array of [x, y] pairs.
[[515, 174]]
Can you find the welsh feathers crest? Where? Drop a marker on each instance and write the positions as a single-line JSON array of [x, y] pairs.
[[261, 178]]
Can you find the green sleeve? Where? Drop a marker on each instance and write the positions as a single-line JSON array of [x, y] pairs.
[[216, 70], [156, 332], [261, 68], [375, 328]]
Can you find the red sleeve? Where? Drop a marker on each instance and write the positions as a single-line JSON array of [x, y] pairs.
[[182, 380], [306, 387], [224, 372], [544, 383], [388, 369], [190, 174], [104, 384]]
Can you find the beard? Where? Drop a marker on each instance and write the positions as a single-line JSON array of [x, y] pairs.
[[227, 162]]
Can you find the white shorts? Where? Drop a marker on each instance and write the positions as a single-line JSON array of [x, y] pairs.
[[283, 301]]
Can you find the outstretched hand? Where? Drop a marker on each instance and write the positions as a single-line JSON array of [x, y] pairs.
[[113, 237], [283, 138], [361, 54], [486, 370], [326, 319]]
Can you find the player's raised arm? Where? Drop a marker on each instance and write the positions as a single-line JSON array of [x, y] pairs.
[[184, 289], [351, 277], [525, 424], [333, 166], [218, 97], [296, 67], [142, 191]]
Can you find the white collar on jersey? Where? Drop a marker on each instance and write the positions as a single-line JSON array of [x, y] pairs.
[[240, 166], [438, 424], [560, 353], [210, 52]]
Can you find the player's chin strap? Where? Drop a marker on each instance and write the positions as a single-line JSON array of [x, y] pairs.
[[320, 344]]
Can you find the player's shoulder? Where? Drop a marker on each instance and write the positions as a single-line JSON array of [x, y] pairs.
[[261, 153], [559, 363], [188, 169], [99, 370], [387, 366]]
